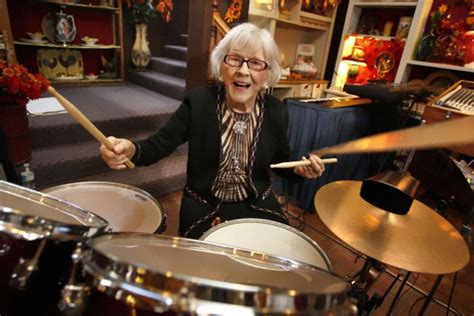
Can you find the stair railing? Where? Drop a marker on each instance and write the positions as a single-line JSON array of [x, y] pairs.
[[219, 27]]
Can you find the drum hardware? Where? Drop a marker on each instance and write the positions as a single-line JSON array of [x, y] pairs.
[[74, 296], [42, 233], [26, 267]]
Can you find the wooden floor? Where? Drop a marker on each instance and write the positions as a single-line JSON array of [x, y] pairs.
[[346, 261]]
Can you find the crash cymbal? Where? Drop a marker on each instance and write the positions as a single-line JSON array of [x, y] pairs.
[[420, 241], [452, 132]]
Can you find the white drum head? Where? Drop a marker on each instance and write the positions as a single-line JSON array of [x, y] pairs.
[[270, 237], [126, 208]]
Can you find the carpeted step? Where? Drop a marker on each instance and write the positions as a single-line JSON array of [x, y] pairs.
[[176, 52], [171, 171], [182, 40], [167, 66], [170, 86], [116, 110], [62, 164]]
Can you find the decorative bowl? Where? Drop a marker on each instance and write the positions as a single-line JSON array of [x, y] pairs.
[[91, 77], [37, 36], [90, 41]]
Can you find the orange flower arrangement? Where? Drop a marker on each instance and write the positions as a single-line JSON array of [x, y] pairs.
[[18, 85], [143, 10]]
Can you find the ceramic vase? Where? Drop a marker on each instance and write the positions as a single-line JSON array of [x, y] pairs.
[[141, 51]]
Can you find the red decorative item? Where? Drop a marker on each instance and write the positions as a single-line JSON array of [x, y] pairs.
[[234, 11], [17, 86]]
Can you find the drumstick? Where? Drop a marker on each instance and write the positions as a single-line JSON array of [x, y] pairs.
[[292, 164], [85, 122]]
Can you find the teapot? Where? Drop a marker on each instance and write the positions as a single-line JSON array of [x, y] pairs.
[[64, 27]]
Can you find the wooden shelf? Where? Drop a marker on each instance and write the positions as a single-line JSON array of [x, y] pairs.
[[80, 5], [301, 81], [321, 27], [440, 66], [74, 46], [384, 4], [377, 37]]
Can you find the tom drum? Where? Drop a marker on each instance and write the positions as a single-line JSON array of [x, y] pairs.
[[271, 237], [38, 234], [126, 208]]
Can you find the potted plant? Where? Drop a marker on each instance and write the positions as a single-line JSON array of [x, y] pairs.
[[142, 11], [17, 87]]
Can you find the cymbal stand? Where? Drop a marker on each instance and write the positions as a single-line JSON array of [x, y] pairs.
[[402, 285], [466, 225], [429, 298], [361, 282]]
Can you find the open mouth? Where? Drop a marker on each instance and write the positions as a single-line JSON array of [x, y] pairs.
[[241, 85]]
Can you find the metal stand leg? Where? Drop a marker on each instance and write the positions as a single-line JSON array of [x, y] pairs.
[[466, 225], [402, 285], [429, 298]]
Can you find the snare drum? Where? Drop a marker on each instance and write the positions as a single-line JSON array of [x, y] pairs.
[[126, 208], [270, 237], [137, 274], [38, 234]]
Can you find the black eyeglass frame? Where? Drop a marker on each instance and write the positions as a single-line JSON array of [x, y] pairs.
[[243, 60]]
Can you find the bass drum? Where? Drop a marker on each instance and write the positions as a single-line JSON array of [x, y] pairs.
[[137, 274], [271, 237], [126, 208], [38, 234]]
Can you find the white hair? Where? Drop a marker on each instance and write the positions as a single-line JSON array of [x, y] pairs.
[[251, 38]]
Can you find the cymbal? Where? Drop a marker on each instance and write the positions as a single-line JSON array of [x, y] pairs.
[[420, 241], [452, 132]]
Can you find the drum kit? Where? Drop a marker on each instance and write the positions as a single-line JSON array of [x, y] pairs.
[[90, 249]]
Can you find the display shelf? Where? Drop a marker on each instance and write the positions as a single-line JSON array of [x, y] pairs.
[[80, 5], [291, 26], [52, 45], [297, 24], [103, 22], [408, 64], [358, 17], [385, 4], [440, 66]]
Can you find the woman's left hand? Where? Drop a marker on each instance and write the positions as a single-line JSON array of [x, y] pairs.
[[312, 171]]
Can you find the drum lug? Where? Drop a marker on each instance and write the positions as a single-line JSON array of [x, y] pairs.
[[26, 267], [74, 296], [73, 299]]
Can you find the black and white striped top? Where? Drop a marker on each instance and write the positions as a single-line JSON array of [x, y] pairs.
[[238, 130]]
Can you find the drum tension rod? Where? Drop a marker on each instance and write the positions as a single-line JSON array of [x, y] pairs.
[[26, 267]]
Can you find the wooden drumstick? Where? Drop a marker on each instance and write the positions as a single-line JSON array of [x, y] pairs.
[[292, 164], [85, 122]]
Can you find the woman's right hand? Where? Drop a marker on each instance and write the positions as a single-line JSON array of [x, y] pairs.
[[123, 150]]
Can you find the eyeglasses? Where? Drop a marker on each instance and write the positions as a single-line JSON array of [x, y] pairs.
[[253, 64]]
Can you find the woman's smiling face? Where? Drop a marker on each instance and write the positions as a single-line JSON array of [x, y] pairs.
[[243, 84]]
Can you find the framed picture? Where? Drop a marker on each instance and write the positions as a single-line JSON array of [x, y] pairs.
[[304, 64]]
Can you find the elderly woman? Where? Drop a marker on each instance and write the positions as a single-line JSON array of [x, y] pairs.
[[235, 132]]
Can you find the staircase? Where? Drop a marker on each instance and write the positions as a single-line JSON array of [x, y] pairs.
[[166, 74], [63, 152]]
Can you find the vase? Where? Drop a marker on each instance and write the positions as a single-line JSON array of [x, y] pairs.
[[425, 47], [14, 127], [141, 51]]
